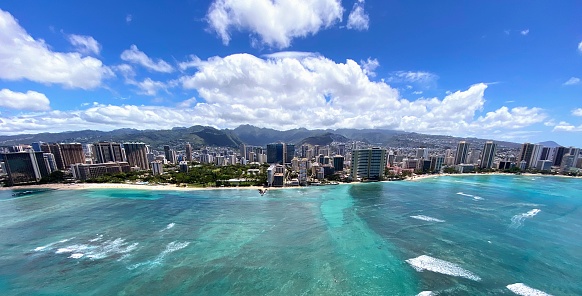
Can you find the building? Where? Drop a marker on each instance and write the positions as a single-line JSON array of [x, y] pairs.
[[276, 153], [84, 172], [189, 152], [55, 149], [184, 166], [558, 154], [276, 175], [368, 164], [136, 154], [49, 160], [72, 153], [157, 167], [338, 163], [25, 167], [489, 150], [105, 152], [436, 163], [544, 165], [464, 168], [422, 153], [462, 151], [289, 152]]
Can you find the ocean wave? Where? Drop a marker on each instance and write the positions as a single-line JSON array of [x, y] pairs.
[[93, 251], [521, 289], [48, 246], [426, 293], [96, 239], [425, 262], [470, 195], [517, 220], [169, 226], [170, 248], [427, 218]]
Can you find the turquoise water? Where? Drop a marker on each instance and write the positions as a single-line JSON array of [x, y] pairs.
[[465, 235]]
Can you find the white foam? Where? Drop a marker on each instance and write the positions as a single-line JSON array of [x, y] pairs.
[[169, 226], [170, 248], [425, 293], [470, 195], [427, 218], [98, 238], [76, 255], [98, 251], [425, 262], [521, 289], [517, 220], [38, 249]]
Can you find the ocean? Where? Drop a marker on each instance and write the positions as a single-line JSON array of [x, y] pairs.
[[457, 235]]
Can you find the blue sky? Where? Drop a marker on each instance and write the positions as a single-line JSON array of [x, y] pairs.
[[491, 69]]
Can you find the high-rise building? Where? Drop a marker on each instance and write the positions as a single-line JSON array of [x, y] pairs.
[[72, 153], [526, 153], [157, 167], [436, 163], [136, 154], [368, 164], [168, 154], [462, 151], [105, 152], [25, 167], [341, 149], [55, 149], [84, 172], [535, 155], [489, 150], [558, 155], [189, 152], [275, 153], [422, 153], [338, 163], [49, 160], [36, 146], [289, 152], [545, 155]]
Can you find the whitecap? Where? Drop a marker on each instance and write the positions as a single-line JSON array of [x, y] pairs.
[[76, 255], [517, 220], [37, 249], [425, 262], [427, 218], [169, 226], [425, 293], [170, 248], [96, 239], [470, 195], [521, 289]]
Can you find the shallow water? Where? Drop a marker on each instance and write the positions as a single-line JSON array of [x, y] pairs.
[[450, 235]]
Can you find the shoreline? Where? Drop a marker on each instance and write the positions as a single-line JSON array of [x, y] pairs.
[[169, 187]]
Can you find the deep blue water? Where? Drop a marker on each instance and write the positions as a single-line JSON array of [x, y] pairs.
[[469, 235]]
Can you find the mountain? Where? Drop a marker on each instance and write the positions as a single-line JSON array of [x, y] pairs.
[[257, 136], [197, 136], [324, 139], [550, 144]]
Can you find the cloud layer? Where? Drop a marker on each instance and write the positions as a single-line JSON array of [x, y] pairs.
[[288, 91], [31, 100], [23, 57], [274, 23]]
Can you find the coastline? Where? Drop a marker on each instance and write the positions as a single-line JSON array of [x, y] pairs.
[[171, 187]]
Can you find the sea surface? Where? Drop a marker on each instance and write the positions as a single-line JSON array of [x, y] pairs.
[[467, 235]]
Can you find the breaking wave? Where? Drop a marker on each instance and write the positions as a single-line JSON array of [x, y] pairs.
[[427, 218], [94, 251], [521, 289], [470, 195], [517, 220], [425, 262], [170, 226]]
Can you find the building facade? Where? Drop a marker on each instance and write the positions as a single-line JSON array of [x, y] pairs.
[[368, 164]]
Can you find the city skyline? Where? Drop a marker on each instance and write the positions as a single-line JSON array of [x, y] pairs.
[[319, 64]]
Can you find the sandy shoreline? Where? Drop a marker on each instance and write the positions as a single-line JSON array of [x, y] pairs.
[[83, 186]]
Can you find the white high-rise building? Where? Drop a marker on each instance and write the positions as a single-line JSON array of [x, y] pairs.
[[368, 164], [489, 150]]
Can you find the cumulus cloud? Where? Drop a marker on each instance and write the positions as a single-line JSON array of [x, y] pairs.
[[31, 100], [524, 32], [134, 55], [358, 18], [275, 23], [282, 93], [580, 46], [566, 127], [572, 81], [577, 112], [370, 66], [290, 55], [150, 87], [23, 57], [85, 44]]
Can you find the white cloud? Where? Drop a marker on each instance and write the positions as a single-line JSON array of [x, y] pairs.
[[150, 87], [193, 62], [580, 46], [290, 55], [23, 57], [418, 92], [370, 66], [31, 100], [275, 23], [524, 32], [85, 44], [358, 18], [566, 127], [577, 112], [312, 92], [128, 18], [412, 76], [572, 81], [134, 55]]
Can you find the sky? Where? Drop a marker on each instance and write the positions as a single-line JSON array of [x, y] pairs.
[[501, 70]]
